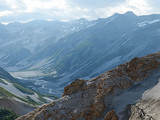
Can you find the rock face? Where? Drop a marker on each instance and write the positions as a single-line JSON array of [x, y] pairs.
[[146, 109], [111, 116], [73, 87], [91, 99], [139, 114]]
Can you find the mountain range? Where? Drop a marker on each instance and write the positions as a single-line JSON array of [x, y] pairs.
[[45, 59], [54, 53]]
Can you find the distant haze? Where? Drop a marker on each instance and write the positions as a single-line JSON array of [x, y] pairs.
[[26, 10]]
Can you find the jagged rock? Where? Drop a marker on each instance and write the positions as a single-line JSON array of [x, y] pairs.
[[73, 87], [87, 100], [137, 68], [111, 116], [139, 114]]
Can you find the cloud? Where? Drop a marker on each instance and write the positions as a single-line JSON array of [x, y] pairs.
[[5, 13], [139, 7], [95, 3], [24, 10], [36, 5], [155, 5]]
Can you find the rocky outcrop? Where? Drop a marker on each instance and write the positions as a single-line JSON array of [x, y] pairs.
[[73, 87], [111, 116], [146, 109], [139, 114], [86, 100]]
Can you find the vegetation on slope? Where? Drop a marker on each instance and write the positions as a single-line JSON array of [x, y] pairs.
[[5, 77], [4, 93], [1, 81], [23, 89], [31, 92], [7, 115]]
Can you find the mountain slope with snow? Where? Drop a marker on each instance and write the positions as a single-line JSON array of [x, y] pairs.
[[93, 50], [55, 53], [21, 40]]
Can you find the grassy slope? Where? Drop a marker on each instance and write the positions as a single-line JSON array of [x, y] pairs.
[[6, 94], [23, 89], [2, 81]]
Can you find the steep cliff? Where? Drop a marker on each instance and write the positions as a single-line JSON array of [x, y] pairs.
[[115, 94]]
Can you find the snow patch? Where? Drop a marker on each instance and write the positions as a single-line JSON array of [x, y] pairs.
[[91, 25], [142, 24], [110, 20]]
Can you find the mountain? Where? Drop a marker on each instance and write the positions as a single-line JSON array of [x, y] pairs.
[[88, 49], [21, 40], [51, 54], [16, 97], [100, 47], [127, 92]]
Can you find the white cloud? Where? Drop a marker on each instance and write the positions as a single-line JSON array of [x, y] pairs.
[[139, 7], [35, 5], [5, 13], [23, 10]]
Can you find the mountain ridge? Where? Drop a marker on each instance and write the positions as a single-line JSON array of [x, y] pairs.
[[63, 51], [92, 99]]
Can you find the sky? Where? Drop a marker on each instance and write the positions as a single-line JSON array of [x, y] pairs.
[[27, 10]]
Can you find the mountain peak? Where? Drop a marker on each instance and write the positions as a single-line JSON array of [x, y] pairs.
[[82, 20], [129, 13]]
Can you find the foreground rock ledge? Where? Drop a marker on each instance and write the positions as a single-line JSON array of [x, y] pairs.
[[85, 100]]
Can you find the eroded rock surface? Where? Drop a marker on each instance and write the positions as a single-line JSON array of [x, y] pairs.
[[138, 114], [86, 100], [111, 116]]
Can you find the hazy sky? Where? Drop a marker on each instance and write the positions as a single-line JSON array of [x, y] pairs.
[[26, 10]]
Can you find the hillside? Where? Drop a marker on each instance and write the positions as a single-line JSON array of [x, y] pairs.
[[98, 46], [16, 97], [21, 40], [48, 55], [128, 92]]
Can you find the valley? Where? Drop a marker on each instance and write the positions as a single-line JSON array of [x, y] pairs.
[[75, 49], [96, 64], [15, 96], [35, 81]]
